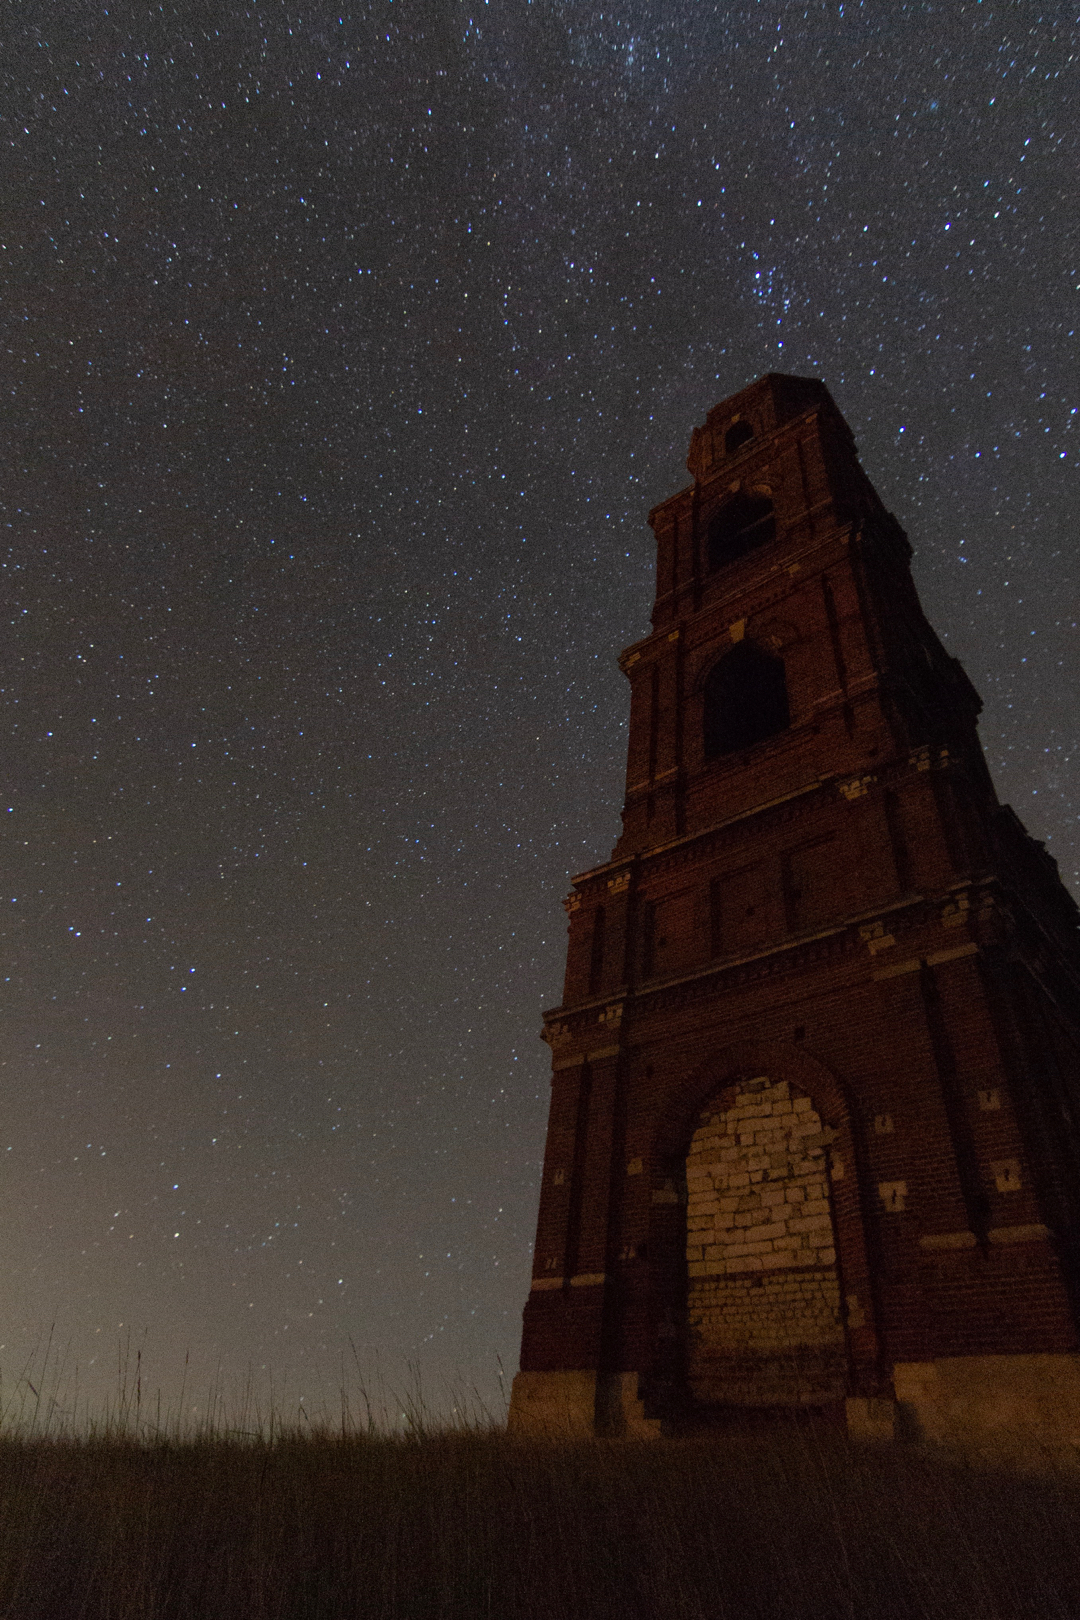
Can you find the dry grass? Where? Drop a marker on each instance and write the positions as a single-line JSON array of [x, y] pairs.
[[380, 1511], [473, 1524]]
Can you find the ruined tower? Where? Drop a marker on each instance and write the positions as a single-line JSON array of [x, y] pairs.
[[813, 1138]]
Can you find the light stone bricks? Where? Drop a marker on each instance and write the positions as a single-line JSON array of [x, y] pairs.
[[761, 1234], [810, 1223], [760, 1253]]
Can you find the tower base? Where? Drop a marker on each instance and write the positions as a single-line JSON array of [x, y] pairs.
[[578, 1405], [994, 1407]]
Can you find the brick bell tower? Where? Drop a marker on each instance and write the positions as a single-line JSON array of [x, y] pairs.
[[813, 1138]]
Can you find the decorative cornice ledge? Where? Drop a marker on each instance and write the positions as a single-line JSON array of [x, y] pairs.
[[555, 1018], [626, 861]]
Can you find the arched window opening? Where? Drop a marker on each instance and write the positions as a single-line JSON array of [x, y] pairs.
[[745, 700], [741, 525], [736, 436]]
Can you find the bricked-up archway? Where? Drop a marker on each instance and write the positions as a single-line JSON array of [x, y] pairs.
[[710, 1090], [764, 1325]]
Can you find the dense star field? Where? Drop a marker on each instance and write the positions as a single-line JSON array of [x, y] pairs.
[[345, 355]]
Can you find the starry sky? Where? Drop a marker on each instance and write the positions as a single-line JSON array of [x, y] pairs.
[[345, 353]]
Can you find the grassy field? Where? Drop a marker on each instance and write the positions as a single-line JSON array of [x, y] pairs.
[[473, 1524]]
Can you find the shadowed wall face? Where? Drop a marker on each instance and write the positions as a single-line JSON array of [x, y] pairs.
[[763, 1291]]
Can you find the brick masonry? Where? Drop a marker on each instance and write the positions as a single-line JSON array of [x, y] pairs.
[[839, 907]]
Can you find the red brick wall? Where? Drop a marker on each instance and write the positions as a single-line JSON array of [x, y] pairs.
[[844, 907]]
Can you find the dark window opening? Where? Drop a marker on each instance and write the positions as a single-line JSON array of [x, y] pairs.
[[737, 436], [741, 525], [745, 700]]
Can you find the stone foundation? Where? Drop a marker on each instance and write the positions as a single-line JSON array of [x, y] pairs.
[[619, 1411], [578, 1405], [553, 1405], [870, 1418], [1004, 1406]]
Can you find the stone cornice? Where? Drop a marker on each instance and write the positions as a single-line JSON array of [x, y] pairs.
[[865, 936], [687, 839], [690, 846]]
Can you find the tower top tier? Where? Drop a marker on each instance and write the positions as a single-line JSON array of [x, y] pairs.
[[788, 641], [731, 427], [776, 477]]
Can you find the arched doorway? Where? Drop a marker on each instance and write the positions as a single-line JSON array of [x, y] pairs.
[[763, 1291]]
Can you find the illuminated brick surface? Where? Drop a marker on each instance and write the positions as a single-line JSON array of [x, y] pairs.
[[839, 914]]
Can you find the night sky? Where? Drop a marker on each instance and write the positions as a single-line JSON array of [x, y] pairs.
[[345, 354]]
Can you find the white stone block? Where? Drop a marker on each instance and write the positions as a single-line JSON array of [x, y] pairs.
[[810, 1223], [761, 1234]]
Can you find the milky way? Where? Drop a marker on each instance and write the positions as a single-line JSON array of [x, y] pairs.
[[345, 356]]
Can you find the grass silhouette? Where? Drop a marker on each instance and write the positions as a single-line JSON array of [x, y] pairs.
[[312, 1519]]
